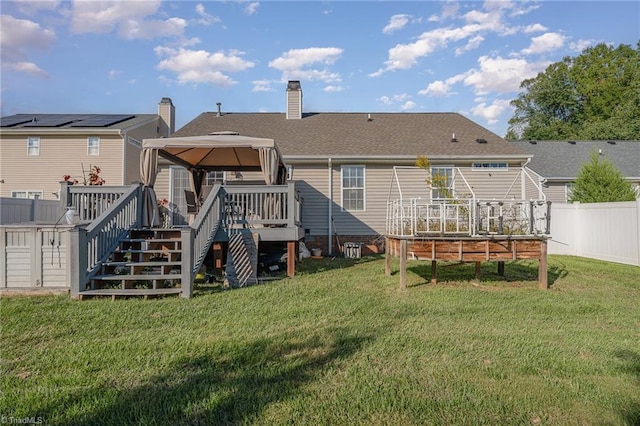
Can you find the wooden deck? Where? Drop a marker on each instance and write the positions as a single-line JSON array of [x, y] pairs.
[[466, 249]]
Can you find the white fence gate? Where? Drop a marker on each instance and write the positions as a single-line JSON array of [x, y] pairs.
[[605, 231]]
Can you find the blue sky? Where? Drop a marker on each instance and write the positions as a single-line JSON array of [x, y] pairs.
[[356, 56]]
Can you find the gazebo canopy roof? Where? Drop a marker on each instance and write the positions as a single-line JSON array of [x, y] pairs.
[[218, 151]]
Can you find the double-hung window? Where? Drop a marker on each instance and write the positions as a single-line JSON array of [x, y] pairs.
[[93, 145], [353, 188], [33, 146], [34, 195], [441, 182]]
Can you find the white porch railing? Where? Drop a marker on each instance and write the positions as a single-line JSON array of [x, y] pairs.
[[90, 201], [261, 205], [468, 217]]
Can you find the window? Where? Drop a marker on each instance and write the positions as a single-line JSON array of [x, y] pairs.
[[33, 145], [353, 188], [93, 145], [34, 195], [441, 182], [214, 177], [492, 166]]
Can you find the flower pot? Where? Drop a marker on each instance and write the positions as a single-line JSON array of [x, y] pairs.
[[316, 252]]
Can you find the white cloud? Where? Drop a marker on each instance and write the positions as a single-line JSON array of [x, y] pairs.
[[200, 66], [30, 7], [449, 10], [544, 43], [333, 89], [129, 18], [262, 86], [497, 74], [408, 105], [396, 99], [491, 112], [113, 74], [302, 64], [473, 43], [205, 17], [534, 28], [17, 38], [437, 88], [385, 100], [27, 68], [252, 8], [397, 22], [580, 45]]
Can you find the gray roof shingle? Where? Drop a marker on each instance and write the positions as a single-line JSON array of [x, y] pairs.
[[361, 134], [564, 159]]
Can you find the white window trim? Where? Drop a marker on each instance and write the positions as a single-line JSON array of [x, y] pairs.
[[489, 165], [89, 138], [453, 178], [28, 194], [364, 188], [37, 147]]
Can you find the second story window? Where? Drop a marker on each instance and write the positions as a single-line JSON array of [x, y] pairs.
[[33, 146], [93, 145]]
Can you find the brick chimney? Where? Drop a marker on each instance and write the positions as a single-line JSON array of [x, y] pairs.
[[294, 100], [167, 113]]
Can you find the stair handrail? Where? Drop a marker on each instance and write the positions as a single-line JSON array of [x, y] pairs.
[[92, 245], [198, 237]]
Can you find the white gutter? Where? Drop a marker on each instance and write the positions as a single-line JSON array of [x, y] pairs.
[[330, 233]]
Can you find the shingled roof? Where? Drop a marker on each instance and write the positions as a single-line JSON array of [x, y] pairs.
[[562, 160], [385, 135]]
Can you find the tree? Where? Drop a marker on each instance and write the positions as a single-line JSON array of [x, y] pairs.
[[595, 95], [599, 182]]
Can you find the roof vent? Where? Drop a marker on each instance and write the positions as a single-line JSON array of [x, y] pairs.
[[225, 133], [453, 137], [572, 142], [611, 142], [533, 142], [219, 104], [480, 140], [369, 117]]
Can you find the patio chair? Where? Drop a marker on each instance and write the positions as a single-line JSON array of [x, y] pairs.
[[192, 205]]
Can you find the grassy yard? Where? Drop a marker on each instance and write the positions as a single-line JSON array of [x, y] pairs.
[[340, 343]]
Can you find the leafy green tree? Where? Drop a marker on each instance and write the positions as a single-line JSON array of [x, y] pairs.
[[595, 95], [599, 182]]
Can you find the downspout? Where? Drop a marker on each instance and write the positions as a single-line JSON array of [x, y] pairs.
[[330, 233]]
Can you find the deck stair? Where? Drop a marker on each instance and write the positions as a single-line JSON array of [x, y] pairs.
[[242, 258], [146, 263]]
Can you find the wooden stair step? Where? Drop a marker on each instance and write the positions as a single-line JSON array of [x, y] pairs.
[[141, 277], [149, 263], [114, 292]]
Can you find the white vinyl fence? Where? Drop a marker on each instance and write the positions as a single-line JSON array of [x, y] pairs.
[[21, 210], [605, 231]]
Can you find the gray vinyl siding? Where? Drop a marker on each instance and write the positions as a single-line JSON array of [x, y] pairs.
[[132, 162], [312, 182], [163, 179], [556, 192], [489, 183], [531, 191]]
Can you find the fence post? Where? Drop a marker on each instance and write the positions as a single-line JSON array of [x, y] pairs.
[[186, 264], [3, 257], [65, 199], [77, 260], [291, 205]]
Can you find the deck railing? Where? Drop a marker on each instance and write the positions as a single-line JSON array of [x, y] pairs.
[[90, 201], [468, 217], [93, 244], [261, 205]]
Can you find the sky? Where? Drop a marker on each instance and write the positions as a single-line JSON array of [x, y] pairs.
[[123, 57]]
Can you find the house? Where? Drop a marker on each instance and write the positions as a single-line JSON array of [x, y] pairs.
[[556, 164], [37, 150], [347, 166]]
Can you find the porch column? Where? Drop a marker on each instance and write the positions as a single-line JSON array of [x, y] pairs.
[[387, 257], [77, 261], [186, 264]]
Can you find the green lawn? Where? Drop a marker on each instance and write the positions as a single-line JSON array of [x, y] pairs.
[[340, 343]]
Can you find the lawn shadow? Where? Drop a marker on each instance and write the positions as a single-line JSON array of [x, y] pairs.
[[314, 266], [631, 365], [514, 272], [224, 385]]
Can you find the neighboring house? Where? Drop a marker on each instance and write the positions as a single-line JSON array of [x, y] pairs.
[[37, 150], [556, 164], [346, 165]]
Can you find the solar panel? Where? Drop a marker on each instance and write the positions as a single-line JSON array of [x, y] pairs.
[[102, 120], [14, 120], [50, 120]]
